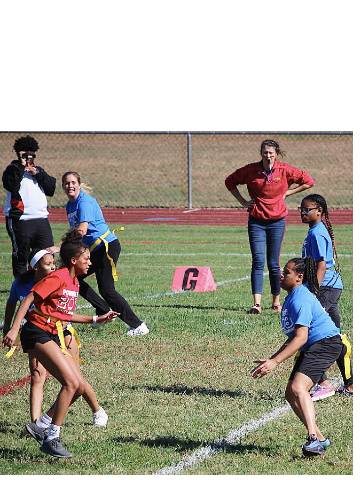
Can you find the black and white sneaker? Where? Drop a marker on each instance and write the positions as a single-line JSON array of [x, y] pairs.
[[36, 432], [55, 448]]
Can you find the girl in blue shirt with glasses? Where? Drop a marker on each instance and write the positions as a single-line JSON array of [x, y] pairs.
[[320, 245]]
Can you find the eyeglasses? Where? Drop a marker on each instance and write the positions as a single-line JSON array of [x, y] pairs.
[[306, 210]]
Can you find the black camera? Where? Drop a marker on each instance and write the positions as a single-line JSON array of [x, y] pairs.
[[29, 157]]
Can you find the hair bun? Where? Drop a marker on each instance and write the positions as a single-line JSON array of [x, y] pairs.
[[72, 236]]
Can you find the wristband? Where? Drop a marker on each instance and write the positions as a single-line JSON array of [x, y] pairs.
[[94, 318]]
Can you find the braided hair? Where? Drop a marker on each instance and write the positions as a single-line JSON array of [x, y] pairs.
[[307, 266], [321, 203], [273, 144], [71, 246]]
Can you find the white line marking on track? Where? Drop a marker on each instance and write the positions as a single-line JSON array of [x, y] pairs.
[[191, 210], [218, 446]]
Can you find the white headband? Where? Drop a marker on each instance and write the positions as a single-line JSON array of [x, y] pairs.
[[37, 257]]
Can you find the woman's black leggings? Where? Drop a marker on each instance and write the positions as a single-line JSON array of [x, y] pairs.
[[101, 266]]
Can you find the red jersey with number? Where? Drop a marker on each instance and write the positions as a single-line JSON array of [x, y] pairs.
[[55, 296], [267, 189]]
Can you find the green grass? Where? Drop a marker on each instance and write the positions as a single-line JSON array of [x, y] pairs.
[[186, 384]]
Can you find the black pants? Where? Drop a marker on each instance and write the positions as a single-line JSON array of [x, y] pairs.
[[26, 235], [100, 265], [329, 299]]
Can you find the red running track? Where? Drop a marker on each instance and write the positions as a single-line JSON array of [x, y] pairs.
[[203, 216], [5, 389]]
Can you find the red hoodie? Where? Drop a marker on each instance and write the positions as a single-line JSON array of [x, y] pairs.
[[267, 190]]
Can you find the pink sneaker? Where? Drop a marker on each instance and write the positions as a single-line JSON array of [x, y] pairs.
[[320, 393]]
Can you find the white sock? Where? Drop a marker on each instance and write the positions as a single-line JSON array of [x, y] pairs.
[[54, 432], [44, 421]]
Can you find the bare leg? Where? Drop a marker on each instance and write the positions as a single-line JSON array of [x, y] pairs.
[[62, 368], [276, 300], [298, 395], [38, 377], [257, 298], [89, 394]]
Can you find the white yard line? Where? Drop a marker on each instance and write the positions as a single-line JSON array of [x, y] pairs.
[[218, 446], [181, 292], [232, 438]]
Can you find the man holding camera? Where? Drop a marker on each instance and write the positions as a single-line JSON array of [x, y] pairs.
[[25, 209]]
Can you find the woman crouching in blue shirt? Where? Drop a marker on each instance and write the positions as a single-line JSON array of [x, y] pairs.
[[310, 331]]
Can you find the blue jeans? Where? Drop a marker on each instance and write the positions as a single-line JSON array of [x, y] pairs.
[[265, 237]]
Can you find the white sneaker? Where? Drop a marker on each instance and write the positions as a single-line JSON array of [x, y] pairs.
[[100, 418], [142, 329]]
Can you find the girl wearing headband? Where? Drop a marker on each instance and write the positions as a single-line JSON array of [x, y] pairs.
[[54, 301], [41, 264]]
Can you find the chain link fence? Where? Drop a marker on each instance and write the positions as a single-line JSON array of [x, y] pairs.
[[182, 169]]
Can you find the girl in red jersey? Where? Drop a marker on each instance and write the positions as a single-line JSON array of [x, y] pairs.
[[41, 264], [268, 183], [54, 300]]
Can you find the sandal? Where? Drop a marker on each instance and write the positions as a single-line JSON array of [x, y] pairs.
[[256, 309], [276, 308]]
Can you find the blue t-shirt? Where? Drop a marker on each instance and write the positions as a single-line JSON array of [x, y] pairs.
[[318, 245], [19, 290], [86, 209], [301, 307]]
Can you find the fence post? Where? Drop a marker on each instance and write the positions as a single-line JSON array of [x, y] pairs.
[[189, 168]]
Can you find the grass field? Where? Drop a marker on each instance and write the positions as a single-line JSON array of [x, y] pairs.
[[187, 384]]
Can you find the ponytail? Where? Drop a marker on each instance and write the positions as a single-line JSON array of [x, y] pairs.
[[71, 246]]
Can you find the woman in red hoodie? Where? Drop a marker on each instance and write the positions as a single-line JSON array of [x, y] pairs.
[[268, 183]]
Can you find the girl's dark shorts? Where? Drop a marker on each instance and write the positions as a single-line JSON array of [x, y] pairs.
[[31, 334], [318, 358]]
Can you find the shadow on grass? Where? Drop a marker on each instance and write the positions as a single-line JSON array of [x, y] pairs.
[[13, 428], [16, 454], [179, 389], [181, 445], [6, 427], [192, 307]]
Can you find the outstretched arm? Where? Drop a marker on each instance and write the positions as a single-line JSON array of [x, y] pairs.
[[76, 318], [287, 350]]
